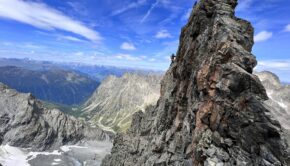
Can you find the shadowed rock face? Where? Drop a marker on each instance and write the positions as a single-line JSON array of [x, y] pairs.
[[211, 109], [25, 123]]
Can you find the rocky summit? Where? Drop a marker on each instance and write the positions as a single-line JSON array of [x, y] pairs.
[[211, 110], [25, 123]]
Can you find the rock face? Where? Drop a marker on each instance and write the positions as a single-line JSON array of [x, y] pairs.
[[211, 109], [53, 85], [118, 98], [25, 123]]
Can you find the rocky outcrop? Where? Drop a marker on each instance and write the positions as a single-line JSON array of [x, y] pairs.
[[118, 98], [25, 123], [211, 110]]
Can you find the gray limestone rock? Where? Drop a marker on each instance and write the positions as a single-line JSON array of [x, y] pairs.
[[24, 122]]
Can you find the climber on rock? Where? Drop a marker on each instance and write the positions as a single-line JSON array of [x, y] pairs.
[[172, 58]]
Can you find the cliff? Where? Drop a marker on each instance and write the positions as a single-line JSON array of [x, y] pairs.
[[211, 110]]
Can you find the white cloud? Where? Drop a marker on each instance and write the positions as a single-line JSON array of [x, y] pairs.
[[70, 38], [128, 46], [274, 65], [127, 57], [150, 10], [163, 34], [287, 28], [263, 36], [186, 15], [128, 7], [79, 53], [279, 67], [244, 5], [44, 17]]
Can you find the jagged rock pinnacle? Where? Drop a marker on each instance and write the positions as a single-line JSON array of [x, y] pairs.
[[211, 108]]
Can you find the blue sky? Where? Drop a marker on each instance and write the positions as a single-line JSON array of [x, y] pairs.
[[129, 33]]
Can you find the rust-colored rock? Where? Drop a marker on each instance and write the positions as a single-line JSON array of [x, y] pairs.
[[211, 109]]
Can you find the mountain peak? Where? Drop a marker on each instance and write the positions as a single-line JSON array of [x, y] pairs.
[[269, 78], [211, 109]]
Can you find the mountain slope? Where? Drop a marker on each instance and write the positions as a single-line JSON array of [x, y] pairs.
[[54, 85], [279, 97], [25, 123], [117, 99], [211, 109]]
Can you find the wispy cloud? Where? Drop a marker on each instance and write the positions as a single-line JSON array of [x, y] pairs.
[[128, 7], [162, 34], [274, 65], [127, 57], [128, 46], [70, 38], [244, 5], [186, 15], [150, 10], [79, 8], [263, 36], [279, 67], [44, 17], [287, 28]]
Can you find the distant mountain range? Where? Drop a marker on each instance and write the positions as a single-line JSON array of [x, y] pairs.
[[53, 85], [58, 83], [96, 72]]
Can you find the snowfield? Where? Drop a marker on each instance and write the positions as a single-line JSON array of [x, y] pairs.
[[87, 154]]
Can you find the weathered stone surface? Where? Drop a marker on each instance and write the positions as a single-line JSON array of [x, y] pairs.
[[25, 123], [211, 109]]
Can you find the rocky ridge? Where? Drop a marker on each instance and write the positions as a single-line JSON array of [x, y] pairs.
[[118, 98], [25, 123], [211, 110]]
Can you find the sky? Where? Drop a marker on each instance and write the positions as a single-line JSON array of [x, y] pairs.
[[129, 33]]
